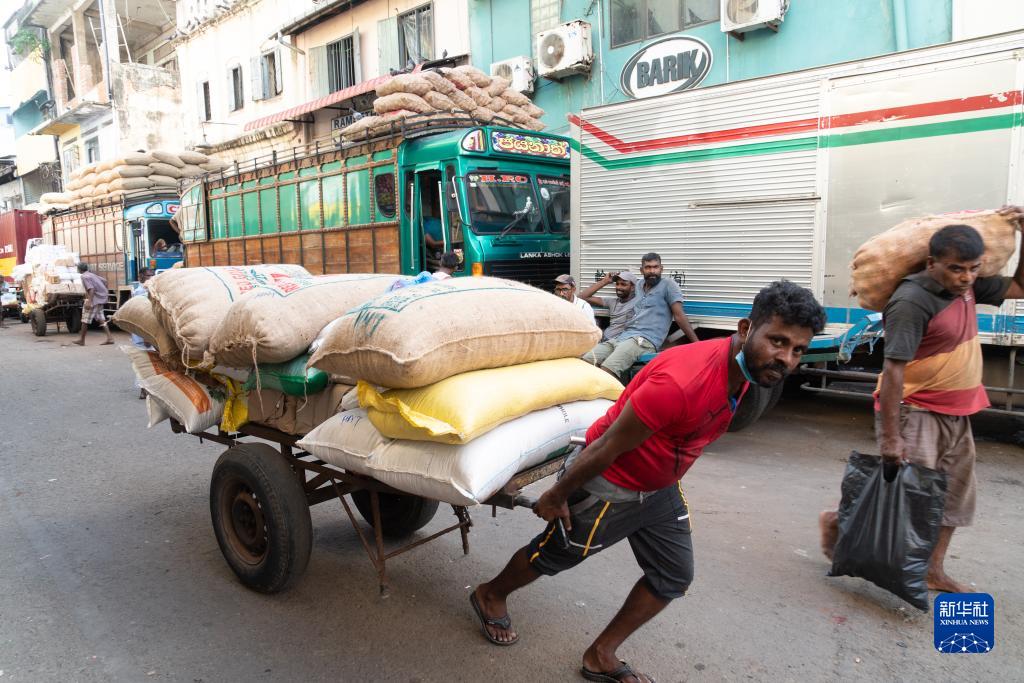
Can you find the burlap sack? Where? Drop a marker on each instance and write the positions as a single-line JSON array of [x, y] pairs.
[[278, 319], [214, 165], [498, 85], [191, 302], [410, 83], [497, 104], [419, 335], [103, 166], [134, 159], [884, 260], [56, 198], [163, 181], [193, 158], [104, 177], [191, 171], [438, 82], [457, 78], [463, 101], [515, 97], [130, 171], [534, 124], [169, 158], [439, 101], [360, 128], [129, 184], [99, 189], [479, 96], [483, 114], [391, 121], [401, 100], [295, 414], [479, 78], [166, 170], [532, 110], [136, 316]]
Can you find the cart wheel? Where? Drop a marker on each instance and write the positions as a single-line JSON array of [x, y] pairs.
[[753, 405], [38, 322], [73, 320], [261, 517], [400, 515]]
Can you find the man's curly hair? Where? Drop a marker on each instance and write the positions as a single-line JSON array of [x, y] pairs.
[[791, 302]]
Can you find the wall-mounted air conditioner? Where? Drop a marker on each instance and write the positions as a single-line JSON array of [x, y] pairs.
[[564, 50], [518, 71], [740, 16]]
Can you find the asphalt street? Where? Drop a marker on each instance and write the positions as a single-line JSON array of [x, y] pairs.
[[110, 570]]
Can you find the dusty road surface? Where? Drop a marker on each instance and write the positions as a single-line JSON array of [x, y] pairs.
[[110, 570]]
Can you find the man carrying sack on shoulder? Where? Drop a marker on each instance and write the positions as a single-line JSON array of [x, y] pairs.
[[931, 380]]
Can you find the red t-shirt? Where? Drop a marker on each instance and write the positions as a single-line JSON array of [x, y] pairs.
[[683, 396]]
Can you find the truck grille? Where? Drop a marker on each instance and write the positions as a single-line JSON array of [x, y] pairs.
[[539, 272]]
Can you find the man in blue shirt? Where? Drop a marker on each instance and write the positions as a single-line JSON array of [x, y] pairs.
[[658, 302]]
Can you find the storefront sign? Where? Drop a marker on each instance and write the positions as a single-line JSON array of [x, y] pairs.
[[669, 65], [536, 145]]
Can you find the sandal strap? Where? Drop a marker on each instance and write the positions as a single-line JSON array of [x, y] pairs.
[[504, 622]]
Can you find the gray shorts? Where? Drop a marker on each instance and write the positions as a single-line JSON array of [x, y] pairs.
[[617, 355], [658, 529]]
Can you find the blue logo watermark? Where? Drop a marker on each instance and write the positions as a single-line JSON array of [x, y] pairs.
[[964, 623]]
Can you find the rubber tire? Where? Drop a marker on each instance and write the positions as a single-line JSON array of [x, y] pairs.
[[23, 317], [400, 515], [777, 391], [753, 405], [282, 501], [38, 317], [73, 320]]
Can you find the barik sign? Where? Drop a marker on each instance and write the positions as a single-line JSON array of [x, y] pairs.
[[669, 65]]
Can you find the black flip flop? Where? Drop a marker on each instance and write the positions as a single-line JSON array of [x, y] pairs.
[[613, 676], [503, 623]]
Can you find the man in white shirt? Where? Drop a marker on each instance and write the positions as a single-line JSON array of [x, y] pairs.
[[565, 287]]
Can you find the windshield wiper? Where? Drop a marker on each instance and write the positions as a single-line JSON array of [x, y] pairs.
[[519, 215]]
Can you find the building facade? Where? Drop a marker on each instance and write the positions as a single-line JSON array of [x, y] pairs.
[[631, 38], [259, 76], [102, 77]]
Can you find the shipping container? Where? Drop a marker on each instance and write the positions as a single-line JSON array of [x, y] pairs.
[[16, 229]]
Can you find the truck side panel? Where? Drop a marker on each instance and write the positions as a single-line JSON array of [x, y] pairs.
[[16, 228], [328, 213], [97, 235]]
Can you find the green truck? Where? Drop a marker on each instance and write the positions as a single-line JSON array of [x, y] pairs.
[[497, 196]]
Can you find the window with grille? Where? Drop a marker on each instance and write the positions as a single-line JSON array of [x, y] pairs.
[[341, 64], [544, 15], [205, 110], [237, 100], [416, 36]]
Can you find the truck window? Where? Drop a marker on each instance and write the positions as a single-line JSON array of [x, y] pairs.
[[554, 198], [502, 202], [454, 217], [431, 224], [384, 193], [163, 240]]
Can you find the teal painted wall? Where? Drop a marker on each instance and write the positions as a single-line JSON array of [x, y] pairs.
[[814, 33]]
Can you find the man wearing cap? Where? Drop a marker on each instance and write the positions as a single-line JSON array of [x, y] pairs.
[[620, 307], [565, 287]]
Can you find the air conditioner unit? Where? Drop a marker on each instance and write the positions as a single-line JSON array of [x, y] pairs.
[[564, 50], [518, 71], [740, 16]]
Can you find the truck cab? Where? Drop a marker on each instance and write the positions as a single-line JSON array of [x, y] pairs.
[[152, 241]]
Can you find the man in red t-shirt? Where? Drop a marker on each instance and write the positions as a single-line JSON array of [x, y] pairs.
[[625, 482]]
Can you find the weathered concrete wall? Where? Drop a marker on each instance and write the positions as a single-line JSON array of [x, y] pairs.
[[147, 108]]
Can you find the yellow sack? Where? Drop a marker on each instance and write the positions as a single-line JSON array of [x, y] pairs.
[[458, 409]]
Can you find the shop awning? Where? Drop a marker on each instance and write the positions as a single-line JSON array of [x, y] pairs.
[[326, 101]]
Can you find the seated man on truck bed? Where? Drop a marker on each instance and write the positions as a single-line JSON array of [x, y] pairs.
[[621, 307], [626, 482], [658, 302]]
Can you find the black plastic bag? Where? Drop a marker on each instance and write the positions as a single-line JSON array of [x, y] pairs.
[[889, 521]]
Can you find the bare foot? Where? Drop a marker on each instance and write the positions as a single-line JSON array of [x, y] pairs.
[[79, 343], [943, 583], [607, 663], [495, 609], [109, 341], [828, 523]]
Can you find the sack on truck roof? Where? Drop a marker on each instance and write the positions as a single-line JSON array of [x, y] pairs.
[[409, 83], [401, 100], [460, 324], [884, 260]]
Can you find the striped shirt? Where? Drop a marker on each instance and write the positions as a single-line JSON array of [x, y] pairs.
[[936, 332]]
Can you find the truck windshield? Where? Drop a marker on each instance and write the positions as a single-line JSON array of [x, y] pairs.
[[502, 203], [554, 198]]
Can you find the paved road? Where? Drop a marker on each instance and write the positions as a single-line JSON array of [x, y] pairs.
[[110, 570]]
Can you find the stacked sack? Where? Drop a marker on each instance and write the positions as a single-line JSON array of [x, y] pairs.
[[462, 383], [49, 270], [240, 336], [883, 261], [110, 180], [463, 91]]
